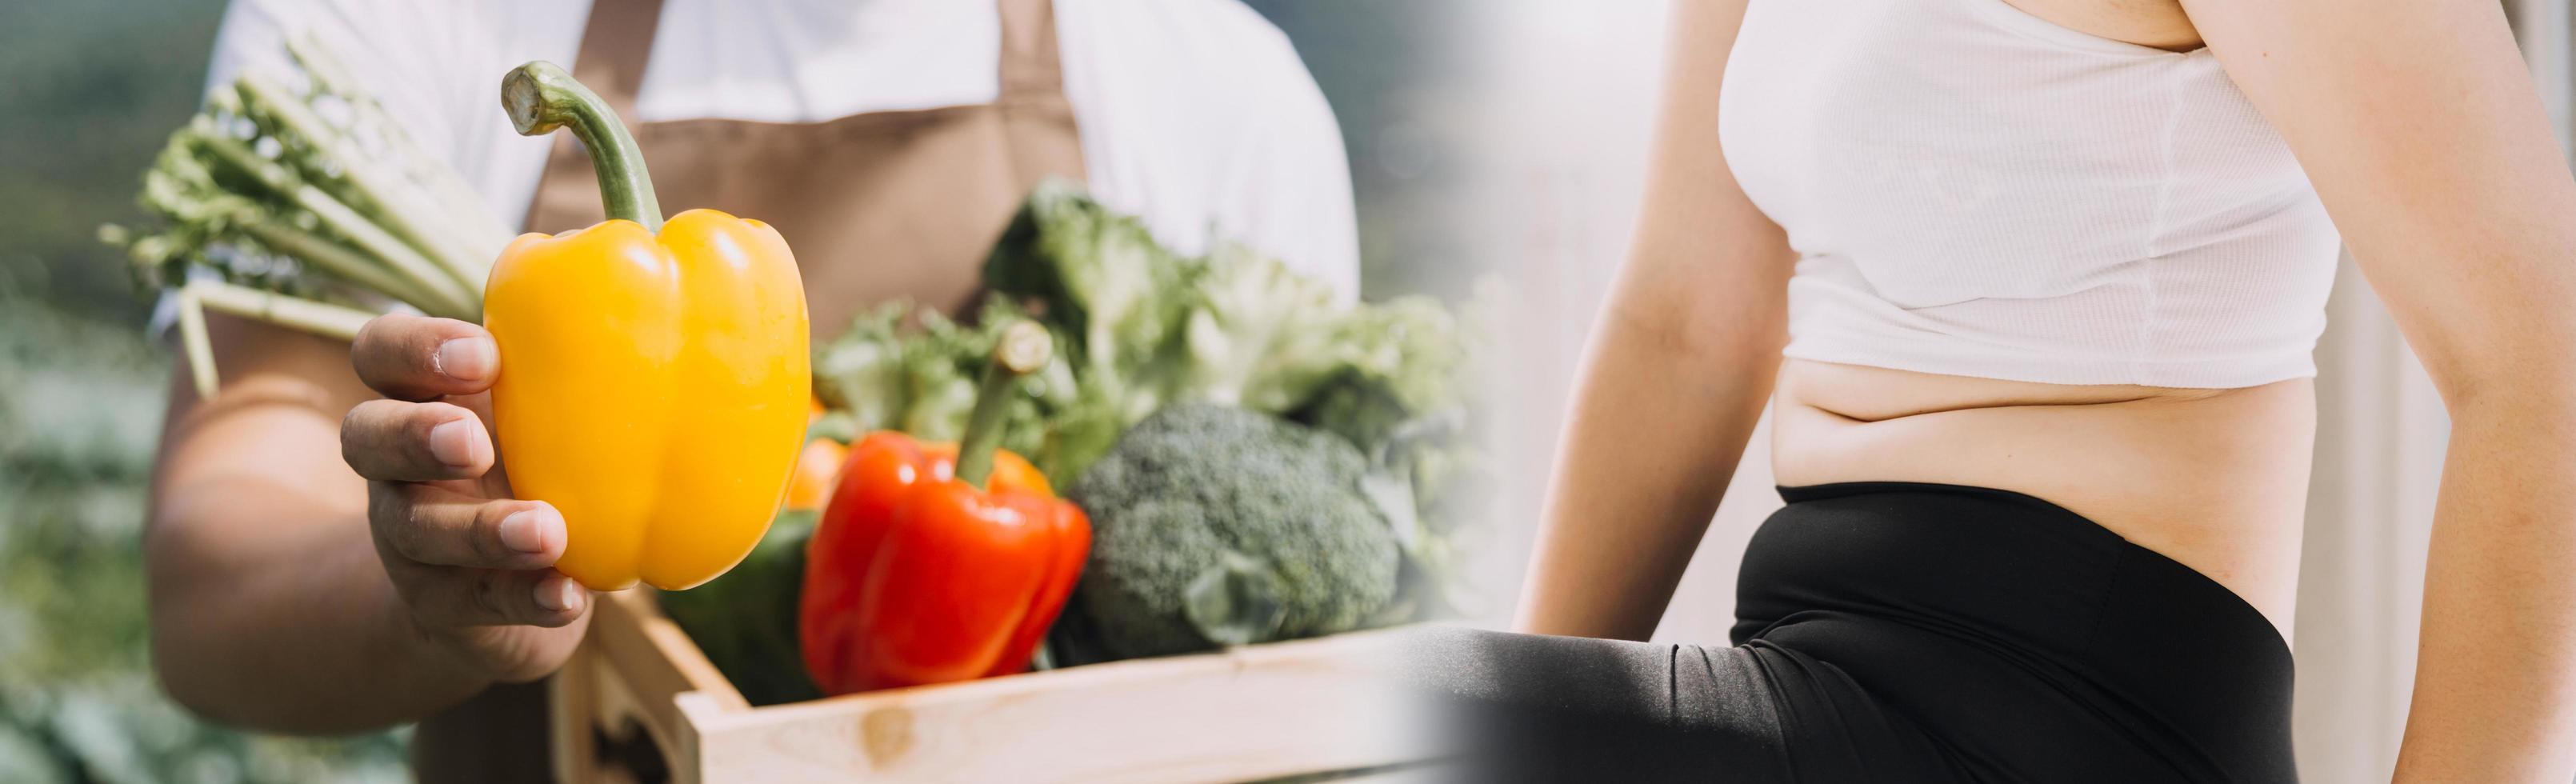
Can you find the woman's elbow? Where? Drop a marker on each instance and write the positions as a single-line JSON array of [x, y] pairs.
[[2538, 393], [1693, 325]]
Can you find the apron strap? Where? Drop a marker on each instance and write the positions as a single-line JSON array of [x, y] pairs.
[[1039, 137], [618, 39], [614, 46], [1030, 67], [1037, 120]]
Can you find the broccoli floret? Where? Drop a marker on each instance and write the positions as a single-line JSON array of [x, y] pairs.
[[1215, 525]]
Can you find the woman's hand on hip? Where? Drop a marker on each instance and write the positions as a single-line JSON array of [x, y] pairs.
[[471, 565]]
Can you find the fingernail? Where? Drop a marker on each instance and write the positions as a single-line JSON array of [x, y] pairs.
[[452, 442], [558, 594], [529, 531], [468, 359]]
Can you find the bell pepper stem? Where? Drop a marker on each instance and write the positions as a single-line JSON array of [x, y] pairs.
[[541, 97], [1024, 348]]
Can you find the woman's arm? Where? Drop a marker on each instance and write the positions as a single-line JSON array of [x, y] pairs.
[[2429, 145], [1677, 373]]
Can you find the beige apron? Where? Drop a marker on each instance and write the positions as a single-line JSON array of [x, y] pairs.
[[877, 206]]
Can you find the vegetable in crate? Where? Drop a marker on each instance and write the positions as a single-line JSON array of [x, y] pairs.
[[1143, 327], [657, 383], [923, 571], [1221, 526], [884, 373], [817, 469], [745, 621]]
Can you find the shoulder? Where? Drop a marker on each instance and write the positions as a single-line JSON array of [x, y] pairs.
[[435, 67], [1210, 53], [1198, 115], [375, 37]]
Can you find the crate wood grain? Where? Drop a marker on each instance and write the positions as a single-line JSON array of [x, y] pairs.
[[1247, 714]]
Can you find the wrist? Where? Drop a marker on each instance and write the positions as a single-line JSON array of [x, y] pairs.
[[434, 658]]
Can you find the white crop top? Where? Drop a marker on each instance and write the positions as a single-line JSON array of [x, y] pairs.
[[1976, 191]]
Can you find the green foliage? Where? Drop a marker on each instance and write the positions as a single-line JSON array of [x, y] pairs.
[[1233, 327], [898, 368], [1372, 370], [746, 619], [1216, 525], [1146, 328], [1243, 309], [265, 190], [1105, 280], [92, 91], [80, 409]]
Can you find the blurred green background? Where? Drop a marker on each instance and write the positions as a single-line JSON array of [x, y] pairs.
[[88, 90]]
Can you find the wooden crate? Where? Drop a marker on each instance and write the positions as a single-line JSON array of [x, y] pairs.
[[1305, 708]]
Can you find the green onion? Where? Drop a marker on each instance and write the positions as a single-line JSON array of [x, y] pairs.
[[305, 206]]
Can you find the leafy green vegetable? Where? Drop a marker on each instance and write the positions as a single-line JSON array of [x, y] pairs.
[[1244, 308], [1371, 370], [80, 412], [746, 620], [1105, 282], [883, 374], [266, 188], [1148, 328], [294, 198], [1207, 521]]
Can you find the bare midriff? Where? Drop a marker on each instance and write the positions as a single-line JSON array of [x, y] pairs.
[[2213, 478]]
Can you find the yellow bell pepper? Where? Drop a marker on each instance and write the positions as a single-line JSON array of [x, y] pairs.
[[655, 377]]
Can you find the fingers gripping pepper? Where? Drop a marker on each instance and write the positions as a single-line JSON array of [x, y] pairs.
[[655, 381], [937, 562]]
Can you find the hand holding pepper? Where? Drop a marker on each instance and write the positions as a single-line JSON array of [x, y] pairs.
[[468, 564], [921, 571]]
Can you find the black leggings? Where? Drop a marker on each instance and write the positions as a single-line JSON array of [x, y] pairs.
[[1898, 632]]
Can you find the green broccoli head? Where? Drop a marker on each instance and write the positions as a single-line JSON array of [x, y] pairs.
[[1202, 498]]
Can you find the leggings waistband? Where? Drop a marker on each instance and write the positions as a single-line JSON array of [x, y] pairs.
[[2024, 601]]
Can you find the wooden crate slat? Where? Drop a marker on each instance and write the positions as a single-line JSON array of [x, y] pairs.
[[1250, 713], [650, 649], [635, 662], [573, 704], [1259, 712]]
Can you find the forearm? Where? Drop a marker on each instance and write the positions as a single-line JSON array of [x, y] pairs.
[[1660, 420], [1677, 373], [296, 632], [270, 609], [2495, 682]]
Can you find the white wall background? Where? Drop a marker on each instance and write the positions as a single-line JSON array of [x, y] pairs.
[[1573, 97]]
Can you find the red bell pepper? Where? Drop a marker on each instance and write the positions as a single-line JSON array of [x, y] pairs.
[[921, 571]]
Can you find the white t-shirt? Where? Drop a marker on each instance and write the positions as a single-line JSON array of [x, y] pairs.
[[1195, 115]]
